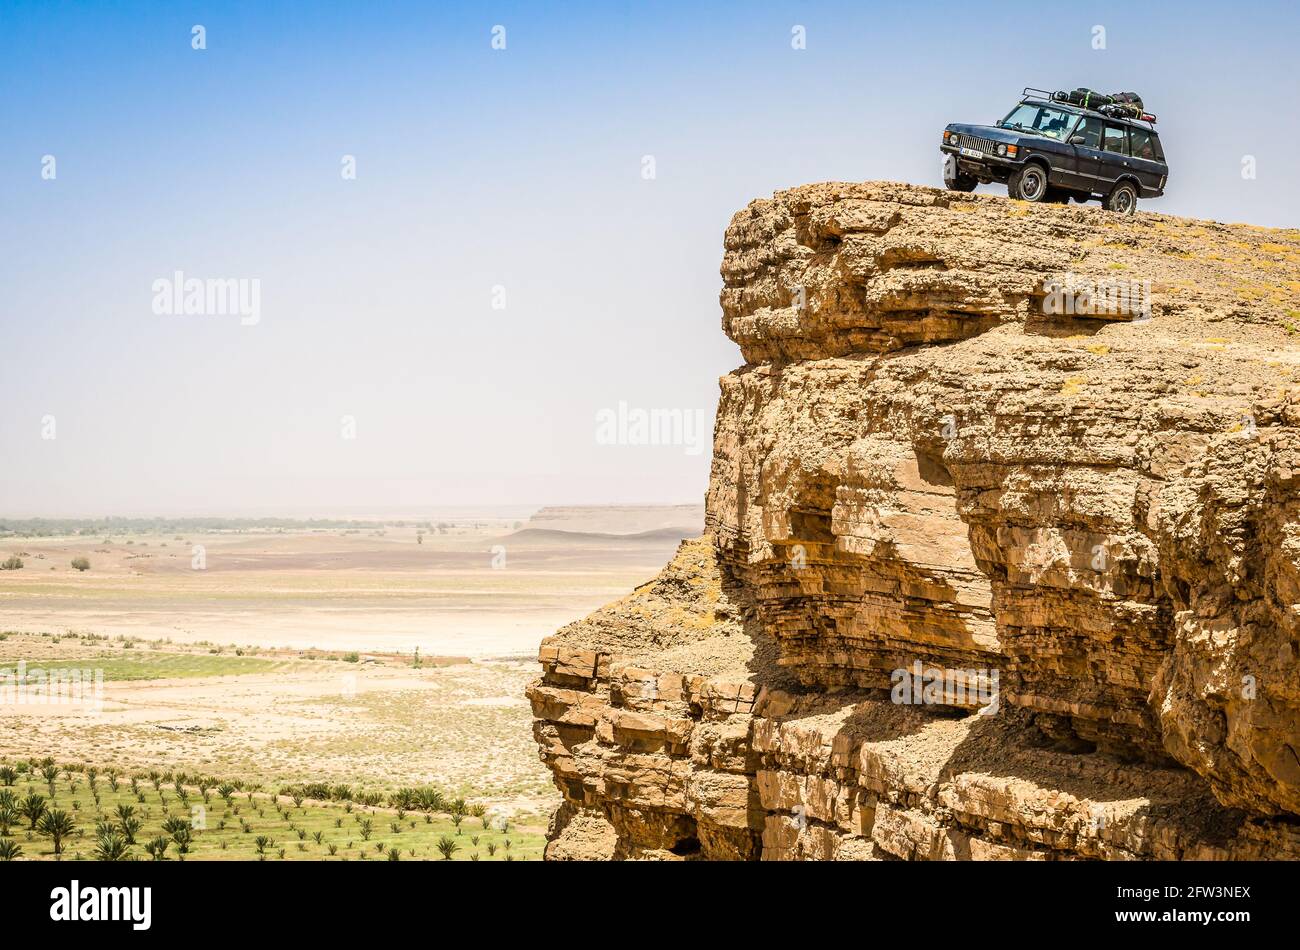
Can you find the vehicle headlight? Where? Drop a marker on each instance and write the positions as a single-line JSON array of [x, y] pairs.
[[1002, 150], [947, 136]]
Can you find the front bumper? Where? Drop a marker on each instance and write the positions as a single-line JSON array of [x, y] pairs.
[[985, 169], [983, 158]]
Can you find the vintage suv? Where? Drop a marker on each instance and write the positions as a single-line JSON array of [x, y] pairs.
[[1051, 149]]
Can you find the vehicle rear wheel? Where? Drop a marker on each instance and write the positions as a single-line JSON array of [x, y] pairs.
[[1122, 199], [1057, 196], [1028, 182]]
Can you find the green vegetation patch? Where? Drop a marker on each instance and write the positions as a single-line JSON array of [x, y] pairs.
[[156, 666], [48, 812]]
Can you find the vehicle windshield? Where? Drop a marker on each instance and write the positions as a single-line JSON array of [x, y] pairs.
[[1043, 120]]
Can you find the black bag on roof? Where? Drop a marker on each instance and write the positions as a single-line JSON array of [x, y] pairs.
[[1126, 104], [1088, 98]]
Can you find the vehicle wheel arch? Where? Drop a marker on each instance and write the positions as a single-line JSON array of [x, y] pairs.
[[1039, 159]]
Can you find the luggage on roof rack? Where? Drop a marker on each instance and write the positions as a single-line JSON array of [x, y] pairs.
[[1083, 96], [1120, 105], [1127, 105]]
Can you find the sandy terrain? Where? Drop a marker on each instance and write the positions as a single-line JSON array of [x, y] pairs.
[[481, 593]]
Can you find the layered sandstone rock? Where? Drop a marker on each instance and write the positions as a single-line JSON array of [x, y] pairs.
[[1085, 522]]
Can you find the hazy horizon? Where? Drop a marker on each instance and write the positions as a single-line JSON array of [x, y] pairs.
[[357, 512]]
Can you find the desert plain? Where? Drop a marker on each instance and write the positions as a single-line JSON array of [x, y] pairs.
[[383, 655]]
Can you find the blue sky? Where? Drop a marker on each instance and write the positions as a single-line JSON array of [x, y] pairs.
[[477, 169]]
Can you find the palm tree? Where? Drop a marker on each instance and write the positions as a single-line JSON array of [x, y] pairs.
[[447, 846], [127, 822], [112, 847], [9, 816], [56, 825], [458, 806], [50, 773], [226, 791], [33, 807], [130, 827], [394, 854], [9, 849], [8, 775], [263, 842], [367, 827]]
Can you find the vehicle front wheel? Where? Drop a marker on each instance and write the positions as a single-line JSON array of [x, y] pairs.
[[954, 180], [1122, 199], [1028, 182]]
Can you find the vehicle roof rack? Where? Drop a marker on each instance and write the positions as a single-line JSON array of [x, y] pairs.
[[1031, 92]]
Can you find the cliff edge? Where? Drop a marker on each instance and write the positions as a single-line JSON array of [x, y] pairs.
[[1002, 556]]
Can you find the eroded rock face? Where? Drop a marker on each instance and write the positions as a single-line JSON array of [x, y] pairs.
[[1086, 522]]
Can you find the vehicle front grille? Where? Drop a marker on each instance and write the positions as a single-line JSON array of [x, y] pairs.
[[961, 140]]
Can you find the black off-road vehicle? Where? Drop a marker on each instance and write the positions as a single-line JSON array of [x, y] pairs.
[[1055, 146]]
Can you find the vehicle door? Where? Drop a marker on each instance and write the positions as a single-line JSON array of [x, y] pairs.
[[1085, 140], [1147, 162], [1115, 159]]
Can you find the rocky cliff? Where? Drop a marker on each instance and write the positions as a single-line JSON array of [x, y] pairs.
[[1002, 555]]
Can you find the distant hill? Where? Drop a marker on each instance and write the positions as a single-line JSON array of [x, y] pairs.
[[654, 536], [620, 519]]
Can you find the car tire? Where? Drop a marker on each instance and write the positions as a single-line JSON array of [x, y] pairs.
[[1028, 183], [1123, 198], [954, 180]]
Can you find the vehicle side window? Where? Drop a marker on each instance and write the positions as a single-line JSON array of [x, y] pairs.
[[1115, 140], [1090, 129], [1143, 144]]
